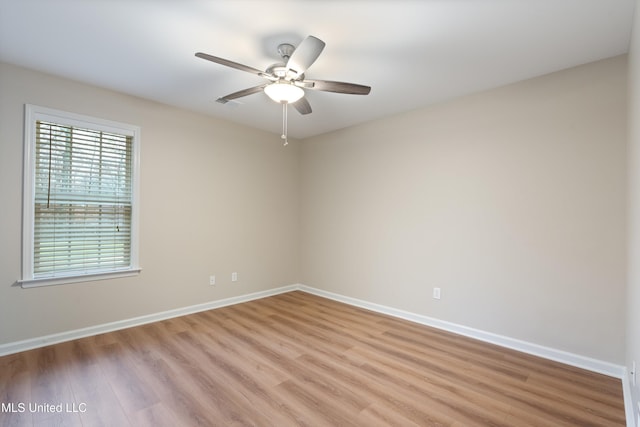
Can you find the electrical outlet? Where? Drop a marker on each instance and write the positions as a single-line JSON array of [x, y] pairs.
[[436, 293], [234, 277], [633, 374], [212, 280]]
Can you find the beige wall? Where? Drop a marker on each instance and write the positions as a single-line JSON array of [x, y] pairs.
[[215, 198], [633, 299], [513, 201]]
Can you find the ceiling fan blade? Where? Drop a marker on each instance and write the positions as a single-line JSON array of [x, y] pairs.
[[339, 87], [304, 55], [232, 64], [303, 106], [240, 93]]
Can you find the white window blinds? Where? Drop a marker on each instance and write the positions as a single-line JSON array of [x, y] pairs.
[[82, 200]]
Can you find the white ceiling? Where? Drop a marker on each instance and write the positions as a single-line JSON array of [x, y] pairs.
[[412, 53]]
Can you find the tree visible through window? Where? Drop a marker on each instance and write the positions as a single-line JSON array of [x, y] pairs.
[[82, 199]]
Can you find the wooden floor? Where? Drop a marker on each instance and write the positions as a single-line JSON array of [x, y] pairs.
[[296, 360]]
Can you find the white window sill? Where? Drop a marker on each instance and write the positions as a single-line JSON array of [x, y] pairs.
[[51, 281]]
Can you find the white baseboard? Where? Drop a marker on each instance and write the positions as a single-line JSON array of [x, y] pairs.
[[572, 359], [579, 361], [576, 360], [18, 346], [628, 400]]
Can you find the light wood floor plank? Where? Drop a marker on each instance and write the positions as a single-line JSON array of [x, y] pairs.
[[299, 360]]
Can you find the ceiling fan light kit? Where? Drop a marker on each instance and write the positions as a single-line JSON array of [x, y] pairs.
[[287, 80], [284, 91]]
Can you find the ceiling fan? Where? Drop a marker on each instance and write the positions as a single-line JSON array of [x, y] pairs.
[[286, 80]]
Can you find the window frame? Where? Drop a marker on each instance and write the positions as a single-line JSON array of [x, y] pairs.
[[34, 113]]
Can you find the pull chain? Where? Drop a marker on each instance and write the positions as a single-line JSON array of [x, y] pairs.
[[285, 123]]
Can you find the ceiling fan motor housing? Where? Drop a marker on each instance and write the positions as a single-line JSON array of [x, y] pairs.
[[279, 70]]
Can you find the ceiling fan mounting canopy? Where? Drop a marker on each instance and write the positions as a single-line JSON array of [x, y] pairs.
[[287, 80], [285, 50]]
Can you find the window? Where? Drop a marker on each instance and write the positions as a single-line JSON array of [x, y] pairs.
[[80, 198]]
